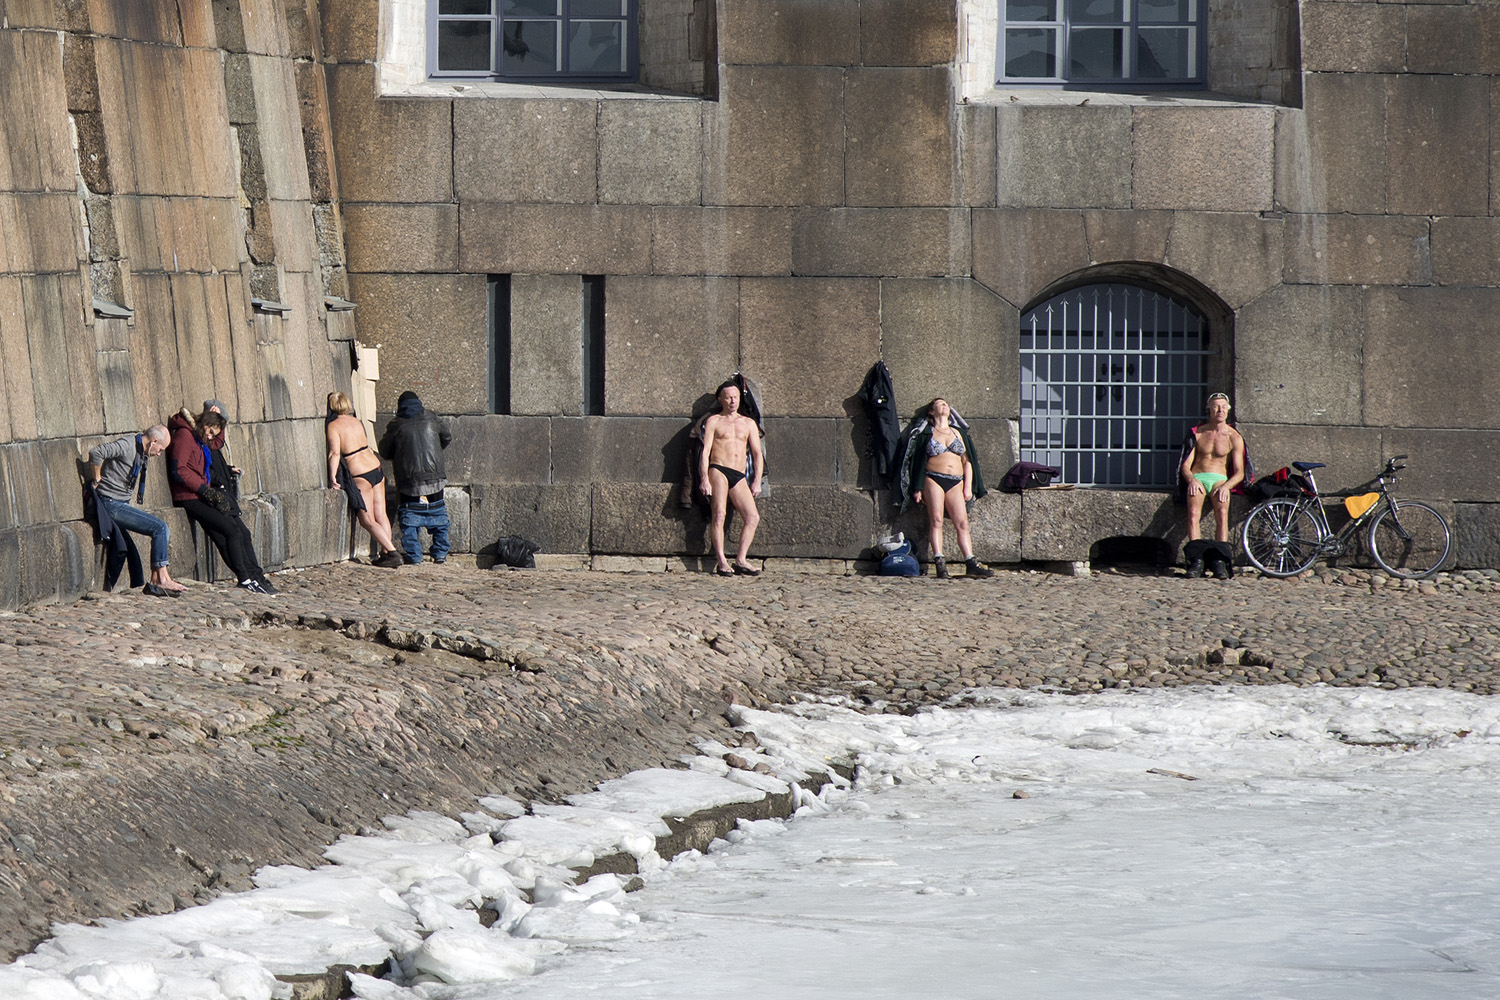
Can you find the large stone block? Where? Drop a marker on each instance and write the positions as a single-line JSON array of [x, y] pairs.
[[1466, 251], [1358, 250], [163, 111], [1449, 39], [951, 338], [907, 242], [294, 236], [1237, 256], [279, 128], [1314, 171], [42, 233], [81, 571], [351, 31], [1444, 464], [546, 344], [1065, 525], [15, 352], [42, 558], [10, 568], [1429, 357], [47, 333], [266, 29], [618, 449], [413, 159], [1064, 157], [401, 238], [1352, 454], [195, 338], [495, 146], [139, 22], [30, 488], [650, 152], [117, 388], [554, 239], [810, 522], [1297, 356], [66, 470], [776, 137], [36, 149], [906, 32], [1343, 37], [433, 331], [898, 137], [500, 449], [1437, 159], [790, 32], [803, 451], [726, 241], [1476, 535], [1115, 236], [978, 157], [1020, 252], [460, 530], [667, 341], [994, 528], [1207, 158], [808, 342], [555, 517], [250, 381]]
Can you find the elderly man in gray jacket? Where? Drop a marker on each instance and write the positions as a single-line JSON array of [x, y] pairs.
[[119, 470]]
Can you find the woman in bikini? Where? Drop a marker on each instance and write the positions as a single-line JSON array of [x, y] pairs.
[[943, 482], [347, 444]]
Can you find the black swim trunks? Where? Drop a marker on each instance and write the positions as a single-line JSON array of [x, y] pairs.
[[730, 474]]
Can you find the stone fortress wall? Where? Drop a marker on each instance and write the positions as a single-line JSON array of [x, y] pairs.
[[814, 186]]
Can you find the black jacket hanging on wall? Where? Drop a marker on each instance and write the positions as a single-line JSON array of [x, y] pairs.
[[879, 399]]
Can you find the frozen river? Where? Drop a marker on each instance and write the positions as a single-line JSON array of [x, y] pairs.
[[1334, 844]]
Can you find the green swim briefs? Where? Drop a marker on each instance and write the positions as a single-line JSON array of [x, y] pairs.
[[1210, 480]]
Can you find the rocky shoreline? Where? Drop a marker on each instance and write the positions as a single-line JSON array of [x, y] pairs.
[[155, 752]]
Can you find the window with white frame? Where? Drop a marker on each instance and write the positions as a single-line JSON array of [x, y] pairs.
[[539, 40], [1102, 43]]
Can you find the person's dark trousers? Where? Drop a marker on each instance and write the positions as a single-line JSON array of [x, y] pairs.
[[229, 535], [416, 515], [127, 556]]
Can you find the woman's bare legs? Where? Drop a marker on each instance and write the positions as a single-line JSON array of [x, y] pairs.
[[933, 500], [373, 518], [958, 513]]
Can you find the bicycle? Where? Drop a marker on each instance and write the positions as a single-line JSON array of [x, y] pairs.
[[1285, 535]]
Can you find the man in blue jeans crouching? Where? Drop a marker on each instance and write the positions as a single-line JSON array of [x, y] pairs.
[[120, 468], [414, 443]]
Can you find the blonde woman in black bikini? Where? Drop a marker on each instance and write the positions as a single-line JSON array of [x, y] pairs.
[[347, 443], [946, 485]]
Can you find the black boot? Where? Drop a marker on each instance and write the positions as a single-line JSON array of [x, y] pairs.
[[1195, 568], [975, 568], [940, 567]]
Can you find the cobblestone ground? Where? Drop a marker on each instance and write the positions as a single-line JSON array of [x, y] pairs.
[[153, 752]]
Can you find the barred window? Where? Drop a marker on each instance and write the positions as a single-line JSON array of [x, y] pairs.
[[1102, 43], [1112, 376], [538, 40]]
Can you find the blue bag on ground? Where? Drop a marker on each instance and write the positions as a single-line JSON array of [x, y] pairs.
[[898, 560]]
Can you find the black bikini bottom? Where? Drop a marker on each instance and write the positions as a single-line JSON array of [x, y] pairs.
[[730, 474], [945, 483], [374, 477]]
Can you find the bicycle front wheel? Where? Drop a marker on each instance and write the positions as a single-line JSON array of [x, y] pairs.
[[1280, 537], [1410, 541]]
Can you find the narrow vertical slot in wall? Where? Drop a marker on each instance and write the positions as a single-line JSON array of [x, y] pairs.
[[499, 321], [593, 345]]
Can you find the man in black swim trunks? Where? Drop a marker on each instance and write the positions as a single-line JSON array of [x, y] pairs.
[[728, 436]]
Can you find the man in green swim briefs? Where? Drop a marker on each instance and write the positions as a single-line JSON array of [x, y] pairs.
[[1214, 466]]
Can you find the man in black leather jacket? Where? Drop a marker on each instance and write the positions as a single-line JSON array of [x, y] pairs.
[[414, 443]]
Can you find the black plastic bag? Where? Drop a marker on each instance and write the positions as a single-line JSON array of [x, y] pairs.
[[1027, 476], [513, 550]]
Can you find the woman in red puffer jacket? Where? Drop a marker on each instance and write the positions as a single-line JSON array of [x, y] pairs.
[[207, 502]]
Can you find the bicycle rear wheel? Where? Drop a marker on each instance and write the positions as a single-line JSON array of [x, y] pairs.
[[1410, 542], [1280, 537]]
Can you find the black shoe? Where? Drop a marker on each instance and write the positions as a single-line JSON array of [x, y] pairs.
[[1221, 570], [155, 590], [265, 585], [1195, 568], [940, 568], [387, 560], [439, 560], [252, 586], [742, 570], [721, 571], [976, 568]]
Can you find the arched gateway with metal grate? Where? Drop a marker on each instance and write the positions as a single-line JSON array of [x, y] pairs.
[[1112, 376]]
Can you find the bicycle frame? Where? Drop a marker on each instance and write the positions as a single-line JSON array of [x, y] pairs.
[[1331, 543]]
